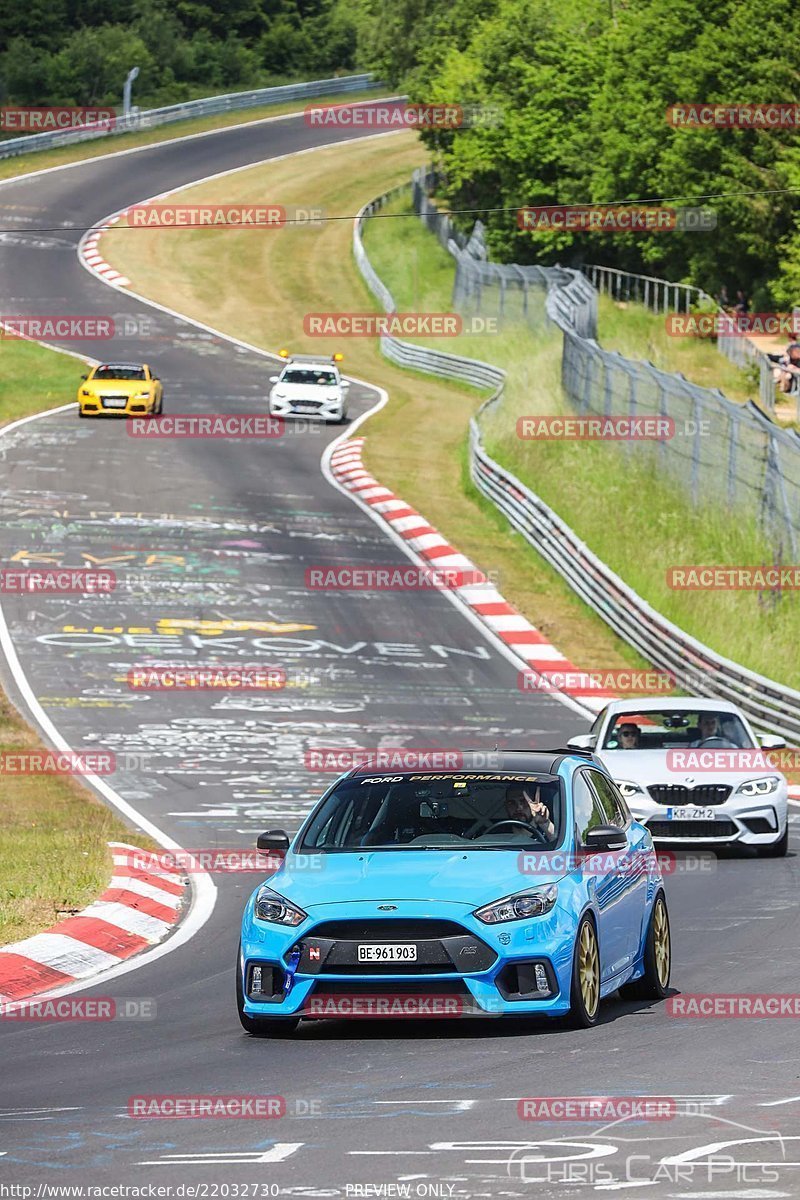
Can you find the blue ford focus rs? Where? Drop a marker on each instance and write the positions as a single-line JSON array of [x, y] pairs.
[[522, 889]]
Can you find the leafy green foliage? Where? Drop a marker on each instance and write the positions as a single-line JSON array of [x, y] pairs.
[[79, 51], [584, 88]]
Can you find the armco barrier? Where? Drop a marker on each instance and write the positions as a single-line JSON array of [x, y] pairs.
[[151, 118], [698, 669]]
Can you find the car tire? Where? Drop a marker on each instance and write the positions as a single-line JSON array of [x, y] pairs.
[[160, 408], [654, 984], [263, 1027], [776, 849], [585, 997]]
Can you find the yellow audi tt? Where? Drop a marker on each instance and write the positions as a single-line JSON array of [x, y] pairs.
[[120, 389]]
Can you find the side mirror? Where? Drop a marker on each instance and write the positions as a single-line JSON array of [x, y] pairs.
[[770, 742], [84, 376], [275, 840], [274, 378], [605, 837], [582, 741]]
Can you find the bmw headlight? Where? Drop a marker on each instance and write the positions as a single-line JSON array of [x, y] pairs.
[[270, 906], [534, 902], [629, 789], [759, 787]]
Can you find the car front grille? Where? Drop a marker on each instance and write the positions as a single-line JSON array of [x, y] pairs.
[[710, 830], [678, 793], [442, 948], [384, 929]]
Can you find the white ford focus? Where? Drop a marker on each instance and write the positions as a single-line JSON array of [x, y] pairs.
[[309, 387], [693, 771]]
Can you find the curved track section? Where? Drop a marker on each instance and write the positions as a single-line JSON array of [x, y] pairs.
[[210, 541]]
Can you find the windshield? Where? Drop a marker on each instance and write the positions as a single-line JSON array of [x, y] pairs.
[[479, 811], [312, 378], [675, 728], [120, 373]]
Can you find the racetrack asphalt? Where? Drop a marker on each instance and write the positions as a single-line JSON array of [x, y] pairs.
[[205, 534]]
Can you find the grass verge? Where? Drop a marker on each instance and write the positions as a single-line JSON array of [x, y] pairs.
[[53, 841], [33, 378], [415, 445], [622, 507]]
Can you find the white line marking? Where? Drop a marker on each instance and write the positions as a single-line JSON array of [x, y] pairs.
[[204, 891]]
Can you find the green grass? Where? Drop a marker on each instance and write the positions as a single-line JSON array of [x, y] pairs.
[[634, 331], [23, 164], [33, 378], [54, 839], [628, 513]]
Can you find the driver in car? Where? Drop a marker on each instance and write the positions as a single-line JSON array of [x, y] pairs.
[[529, 809], [706, 728]]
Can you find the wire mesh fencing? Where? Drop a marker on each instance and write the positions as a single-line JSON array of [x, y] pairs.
[[721, 453]]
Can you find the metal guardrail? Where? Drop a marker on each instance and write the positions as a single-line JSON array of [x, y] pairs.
[[153, 117], [697, 669], [721, 453], [406, 354]]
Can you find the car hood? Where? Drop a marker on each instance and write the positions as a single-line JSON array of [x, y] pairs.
[[118, 387], [650, 766], [306, 391], [443, 876]]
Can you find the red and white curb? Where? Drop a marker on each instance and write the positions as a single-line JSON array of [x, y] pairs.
[[90, 256], [137, 910], [521, 637]]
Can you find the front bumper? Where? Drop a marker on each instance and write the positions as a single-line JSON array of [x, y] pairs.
[[308, 410], [498, 977], [744, 820], [92, 406]]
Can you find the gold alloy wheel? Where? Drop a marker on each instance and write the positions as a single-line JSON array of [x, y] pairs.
[[661, 942], [589, 969]]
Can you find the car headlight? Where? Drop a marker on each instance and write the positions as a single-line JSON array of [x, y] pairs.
[[142, 395], [85, 392], [279, 395], [270, 906], [759, 787], [534, 902], [628, 788]]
